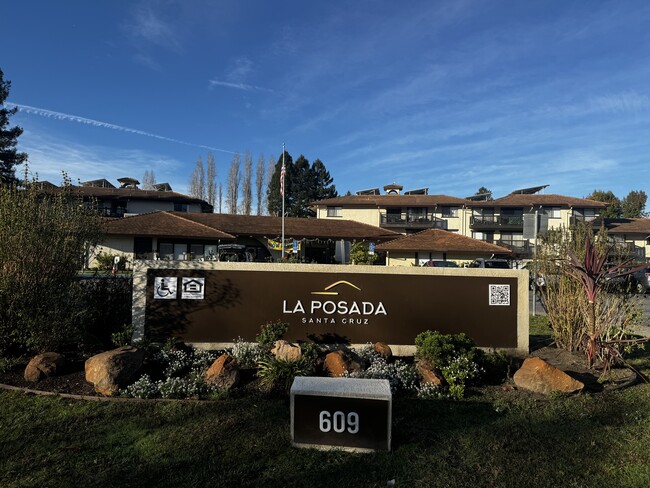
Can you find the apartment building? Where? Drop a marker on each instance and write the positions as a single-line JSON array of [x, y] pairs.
[[128, 199], [508, 222]]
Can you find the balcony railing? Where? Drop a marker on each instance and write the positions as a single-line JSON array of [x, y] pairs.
[[519, 248], [504, 222], [413, 221]]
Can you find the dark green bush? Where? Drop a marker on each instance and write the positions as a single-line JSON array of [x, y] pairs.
[[439, 349], [106, 261], [271, 332]]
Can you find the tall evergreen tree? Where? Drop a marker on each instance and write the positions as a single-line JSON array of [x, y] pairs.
[[304, 184], [9, 156]]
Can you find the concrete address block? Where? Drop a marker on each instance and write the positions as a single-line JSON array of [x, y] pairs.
[[351, 414]]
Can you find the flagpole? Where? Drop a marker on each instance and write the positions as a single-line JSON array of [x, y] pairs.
[[282, 182]]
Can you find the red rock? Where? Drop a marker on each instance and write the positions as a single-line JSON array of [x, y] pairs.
[[112, 370], [539, 376], [336, 364], [383, 350], [224, 372], [428, 374], [44, 365]]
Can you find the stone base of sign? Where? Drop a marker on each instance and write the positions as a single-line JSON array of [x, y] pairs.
[[350, 414]]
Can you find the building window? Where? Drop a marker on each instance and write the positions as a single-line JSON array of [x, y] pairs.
[[181, 207], [552, 212], [335, 211], [449, 212]]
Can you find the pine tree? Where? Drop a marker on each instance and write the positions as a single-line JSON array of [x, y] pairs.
[[9, 156]]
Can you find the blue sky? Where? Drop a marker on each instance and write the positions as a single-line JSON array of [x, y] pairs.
[[450, 95]]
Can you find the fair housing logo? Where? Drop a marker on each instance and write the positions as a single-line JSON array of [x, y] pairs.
[[329, 311]]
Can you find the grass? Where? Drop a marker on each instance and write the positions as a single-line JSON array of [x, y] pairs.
[[495, 438]]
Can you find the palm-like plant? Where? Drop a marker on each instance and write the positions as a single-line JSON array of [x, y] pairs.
[[593, 274]]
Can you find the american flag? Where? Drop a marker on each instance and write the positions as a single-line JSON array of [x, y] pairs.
[[283, 173]]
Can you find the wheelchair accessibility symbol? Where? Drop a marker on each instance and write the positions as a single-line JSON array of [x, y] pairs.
[[165, 288]]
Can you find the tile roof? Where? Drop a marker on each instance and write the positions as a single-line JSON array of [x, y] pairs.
[[522, 200], [266, 226], [381, 201], [162, 224], [628, 226], [128, 193], [437, 240], [225, 226]]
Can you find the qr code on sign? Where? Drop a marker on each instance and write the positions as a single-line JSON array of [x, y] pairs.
[[500, 295]]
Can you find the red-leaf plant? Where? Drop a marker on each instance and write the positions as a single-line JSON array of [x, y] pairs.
[[593, 273]]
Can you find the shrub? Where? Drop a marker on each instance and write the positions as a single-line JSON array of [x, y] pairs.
[[429, 391], [106, 261], [440, 349], [142, 388], [458, 373], [191, 386], [360, 254], [43, 240], [123, 336], [400, 375], [278, 374], [271, 332], [247, 354]]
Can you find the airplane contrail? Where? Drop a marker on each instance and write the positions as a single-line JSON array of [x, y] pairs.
[[98, 123]]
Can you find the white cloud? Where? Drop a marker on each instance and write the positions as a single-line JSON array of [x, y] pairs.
[[239, 86], [148, 25]]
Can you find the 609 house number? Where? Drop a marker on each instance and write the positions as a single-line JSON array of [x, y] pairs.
[[339, 422]]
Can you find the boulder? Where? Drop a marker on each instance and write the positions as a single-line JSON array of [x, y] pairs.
[[286, 351], [428, 374], [383, 350], [224, 373], [44, 365], [112, 370], [338, 362], [537, 375]]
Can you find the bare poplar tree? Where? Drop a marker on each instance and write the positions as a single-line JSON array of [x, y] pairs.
[[211, 181], [234, 179], [197, 182], [260, 179], [220, 197], [270, 169], [247, 185], [148, 180]]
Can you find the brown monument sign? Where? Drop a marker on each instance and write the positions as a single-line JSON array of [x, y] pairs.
[[214, 303]]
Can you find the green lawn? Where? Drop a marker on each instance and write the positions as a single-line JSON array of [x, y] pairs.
[[494, 438]]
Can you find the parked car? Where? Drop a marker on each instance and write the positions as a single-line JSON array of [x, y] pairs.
[[641, 280], [490, 263], [439, 263]]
